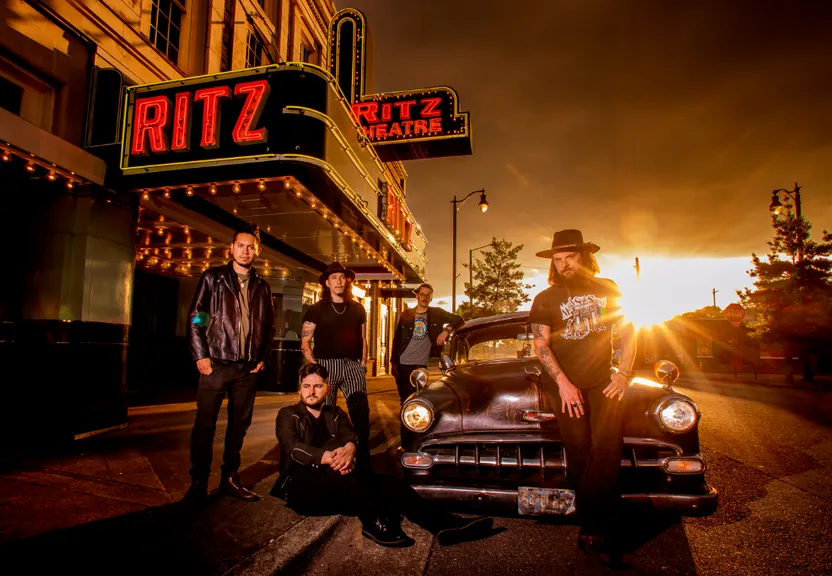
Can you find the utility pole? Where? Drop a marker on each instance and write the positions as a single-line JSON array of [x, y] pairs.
[[713, 293]]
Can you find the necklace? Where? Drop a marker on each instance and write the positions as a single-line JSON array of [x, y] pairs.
[[336, 309]]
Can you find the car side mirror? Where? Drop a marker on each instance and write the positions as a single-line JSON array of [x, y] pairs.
[[666, 372], [419, 379], [445, 363]]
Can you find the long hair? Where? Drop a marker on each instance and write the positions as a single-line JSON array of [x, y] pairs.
[[327, 295], [588, 261]]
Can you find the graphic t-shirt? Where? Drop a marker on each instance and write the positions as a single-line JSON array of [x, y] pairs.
[[581, 322], [418, 349], [338, 329]]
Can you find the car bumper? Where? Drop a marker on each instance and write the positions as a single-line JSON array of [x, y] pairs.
[[506, 499]]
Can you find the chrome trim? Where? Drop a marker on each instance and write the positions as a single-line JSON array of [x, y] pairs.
[[683, 504], [662, 403]]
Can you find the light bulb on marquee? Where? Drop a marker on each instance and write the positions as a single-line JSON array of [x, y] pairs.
[[145, 195], [166, 193], [70, 184], [236, 188], [189, 191], [30, 167], [261, 185], [51, 176], [212, 189]]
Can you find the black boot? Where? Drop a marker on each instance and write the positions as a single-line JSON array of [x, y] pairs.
[[464, 530], [386, 533], [230, 484], [198, 492]]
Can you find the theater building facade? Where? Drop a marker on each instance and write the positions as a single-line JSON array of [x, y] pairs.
[[137, 135]]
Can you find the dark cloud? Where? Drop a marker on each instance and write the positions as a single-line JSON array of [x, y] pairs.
[[654, 126]]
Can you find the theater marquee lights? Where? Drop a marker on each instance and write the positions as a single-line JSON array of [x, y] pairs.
[[406, 125]]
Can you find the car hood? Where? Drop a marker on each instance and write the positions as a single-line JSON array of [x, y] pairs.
[[495, 395]]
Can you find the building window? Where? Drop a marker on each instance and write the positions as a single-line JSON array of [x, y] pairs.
[[308, 53], [254, 50], [166, 26], [229, 9], [11, 96]]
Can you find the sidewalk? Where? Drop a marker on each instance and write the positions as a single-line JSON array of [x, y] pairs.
[[112, 504]]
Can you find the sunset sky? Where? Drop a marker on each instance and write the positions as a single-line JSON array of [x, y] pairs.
[[658, 128]]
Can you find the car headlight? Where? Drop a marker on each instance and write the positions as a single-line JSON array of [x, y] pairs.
[[678, 415], [417, 416]]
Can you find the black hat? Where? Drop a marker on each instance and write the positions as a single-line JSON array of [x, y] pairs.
[[334, 268], [568, 241]]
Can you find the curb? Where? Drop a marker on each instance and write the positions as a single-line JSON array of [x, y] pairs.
[[292, 550]]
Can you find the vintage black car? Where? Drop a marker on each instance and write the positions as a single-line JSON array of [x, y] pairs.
[[483, 436]]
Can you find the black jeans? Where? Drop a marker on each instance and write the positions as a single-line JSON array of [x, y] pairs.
[[593, 450], [403, 380], [322, 491], [236, 379]]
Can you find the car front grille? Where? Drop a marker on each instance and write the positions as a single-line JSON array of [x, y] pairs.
[[531, 460], [500, 460]]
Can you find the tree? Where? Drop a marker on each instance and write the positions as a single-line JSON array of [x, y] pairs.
[[792, 293], [498, 282]]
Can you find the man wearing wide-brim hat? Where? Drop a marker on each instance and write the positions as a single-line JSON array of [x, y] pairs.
[[573, 322], [338, 323]]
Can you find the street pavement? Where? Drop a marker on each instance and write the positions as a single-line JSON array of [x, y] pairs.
[[110, 505]]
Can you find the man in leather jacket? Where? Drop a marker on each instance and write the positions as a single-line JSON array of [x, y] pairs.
[[420, 334], [230, 333], [318, 475]]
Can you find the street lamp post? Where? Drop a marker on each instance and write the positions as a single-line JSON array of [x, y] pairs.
[[776, 206], [457, 204], [471, 264]]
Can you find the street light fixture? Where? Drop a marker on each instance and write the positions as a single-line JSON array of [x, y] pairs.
[[776, 207], [471, 263], [457, 204]]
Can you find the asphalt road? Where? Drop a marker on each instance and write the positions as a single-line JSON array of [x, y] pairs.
[[769, 453]]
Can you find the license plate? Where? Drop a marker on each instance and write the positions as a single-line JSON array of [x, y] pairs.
[[544, 501]]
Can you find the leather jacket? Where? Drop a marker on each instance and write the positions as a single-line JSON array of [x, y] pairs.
[[437, 320], [216, 309], [293, 428]]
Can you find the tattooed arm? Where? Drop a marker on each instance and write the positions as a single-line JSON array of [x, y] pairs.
[[306, 342], [541, 334], [570, 396]]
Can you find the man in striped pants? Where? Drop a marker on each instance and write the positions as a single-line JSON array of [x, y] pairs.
[[338, 323]]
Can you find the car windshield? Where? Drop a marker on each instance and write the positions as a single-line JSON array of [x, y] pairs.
[[499, 342]]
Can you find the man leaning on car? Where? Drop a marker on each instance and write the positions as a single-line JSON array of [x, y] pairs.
[[573, 322], [420, 334]]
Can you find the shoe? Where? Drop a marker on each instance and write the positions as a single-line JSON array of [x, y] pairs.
[[465, 530], [198, 492], [596, 547], [230, 484], [386, 533]]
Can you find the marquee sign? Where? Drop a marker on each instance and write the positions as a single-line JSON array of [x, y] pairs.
[[401, 125], [226, 118]]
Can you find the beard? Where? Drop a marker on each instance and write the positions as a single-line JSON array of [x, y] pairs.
[[316, 403], [243, 264], [577, 280]]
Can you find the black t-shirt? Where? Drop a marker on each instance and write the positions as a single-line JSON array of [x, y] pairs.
[[338, 329], [581, 322], [320, 434]]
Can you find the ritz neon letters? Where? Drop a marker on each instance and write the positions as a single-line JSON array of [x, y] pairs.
[[161, 125], [404, 118]]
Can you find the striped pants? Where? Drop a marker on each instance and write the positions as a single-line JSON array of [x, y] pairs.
[[351, 378]]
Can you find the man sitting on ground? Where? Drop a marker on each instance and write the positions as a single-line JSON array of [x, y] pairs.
[[318, 477]]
